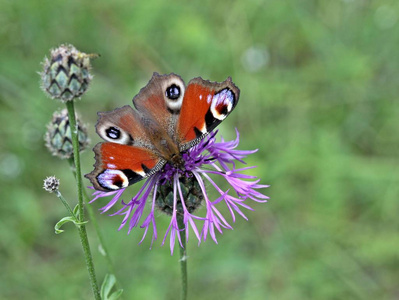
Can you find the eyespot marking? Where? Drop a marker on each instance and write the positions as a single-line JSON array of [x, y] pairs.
[[113, 133], [173, 92], [113, 179], [222, 104]]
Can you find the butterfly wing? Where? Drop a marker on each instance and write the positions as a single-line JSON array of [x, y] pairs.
[[160, 100], [169, 118], [128, 155], [124, 126], [205, 105], [118, 166]]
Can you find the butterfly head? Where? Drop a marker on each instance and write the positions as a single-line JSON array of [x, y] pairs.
[[178, 162]]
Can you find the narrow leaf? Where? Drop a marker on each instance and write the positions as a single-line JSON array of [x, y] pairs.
[[61, 222], [116, 295]]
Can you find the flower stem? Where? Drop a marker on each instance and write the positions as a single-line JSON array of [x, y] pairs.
[[82, 229], [92, 218], [76, 156], [183, 259], [69, 209], [104, 249]]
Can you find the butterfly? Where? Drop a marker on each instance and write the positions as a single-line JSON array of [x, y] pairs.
[[169, 118]]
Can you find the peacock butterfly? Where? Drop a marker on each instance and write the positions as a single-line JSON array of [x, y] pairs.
[[169, 118]]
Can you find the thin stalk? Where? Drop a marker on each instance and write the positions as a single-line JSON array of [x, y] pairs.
[[183, 259], [93, 220], [81, 229], [76, 155], [100, 236], [69, 209]]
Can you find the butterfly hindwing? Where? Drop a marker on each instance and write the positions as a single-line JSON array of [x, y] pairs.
[[205, 105], [118, 166]]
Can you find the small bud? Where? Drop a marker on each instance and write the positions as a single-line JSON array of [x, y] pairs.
[[51, 184], [191, 192], [66, 74], [58, 136]]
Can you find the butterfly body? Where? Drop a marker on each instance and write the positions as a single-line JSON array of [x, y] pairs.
[[169, 118], [165, 147]]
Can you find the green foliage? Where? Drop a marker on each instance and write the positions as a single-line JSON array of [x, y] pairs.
[[107, 286], [73, 219], [319, 98]]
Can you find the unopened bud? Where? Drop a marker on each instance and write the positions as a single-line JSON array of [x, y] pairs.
[[51, 184], [66, 74], [58, 136]]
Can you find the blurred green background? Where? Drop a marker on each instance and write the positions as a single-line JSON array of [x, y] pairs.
[[319, 98]]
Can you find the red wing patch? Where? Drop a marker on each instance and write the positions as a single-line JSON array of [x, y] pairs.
[[118, 166], [196, 103], [205, 105]]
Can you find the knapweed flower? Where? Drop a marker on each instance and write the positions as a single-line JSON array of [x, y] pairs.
[[178, 193]]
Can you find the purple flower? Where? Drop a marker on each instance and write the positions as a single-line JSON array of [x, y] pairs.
[[179, 193]]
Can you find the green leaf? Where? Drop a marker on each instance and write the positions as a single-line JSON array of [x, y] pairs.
[[76, 211], [57, 226], [116, 295], [61, 222], [106, 287]]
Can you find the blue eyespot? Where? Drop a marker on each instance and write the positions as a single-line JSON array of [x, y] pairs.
[[113, 133], [173, 92]]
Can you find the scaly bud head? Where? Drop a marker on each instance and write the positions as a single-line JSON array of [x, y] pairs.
[[66, 74], [191, 192], [58, 136]]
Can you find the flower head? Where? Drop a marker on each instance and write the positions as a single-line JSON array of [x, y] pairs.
[[180, 192], [65, 75], [58, 136], [51, 184]]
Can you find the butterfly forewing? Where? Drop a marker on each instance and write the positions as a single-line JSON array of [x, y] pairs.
[[161, 99], [123, 125], [205, 105]]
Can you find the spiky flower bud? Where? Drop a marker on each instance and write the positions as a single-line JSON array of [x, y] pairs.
[[191, 191], [58, 136], [66, 74], [51, 184]]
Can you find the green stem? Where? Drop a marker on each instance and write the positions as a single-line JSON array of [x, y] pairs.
[[93, 219], [89, 261], [101, 239], [69, 209], [82, 229], [183, 259], [76, 155]]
